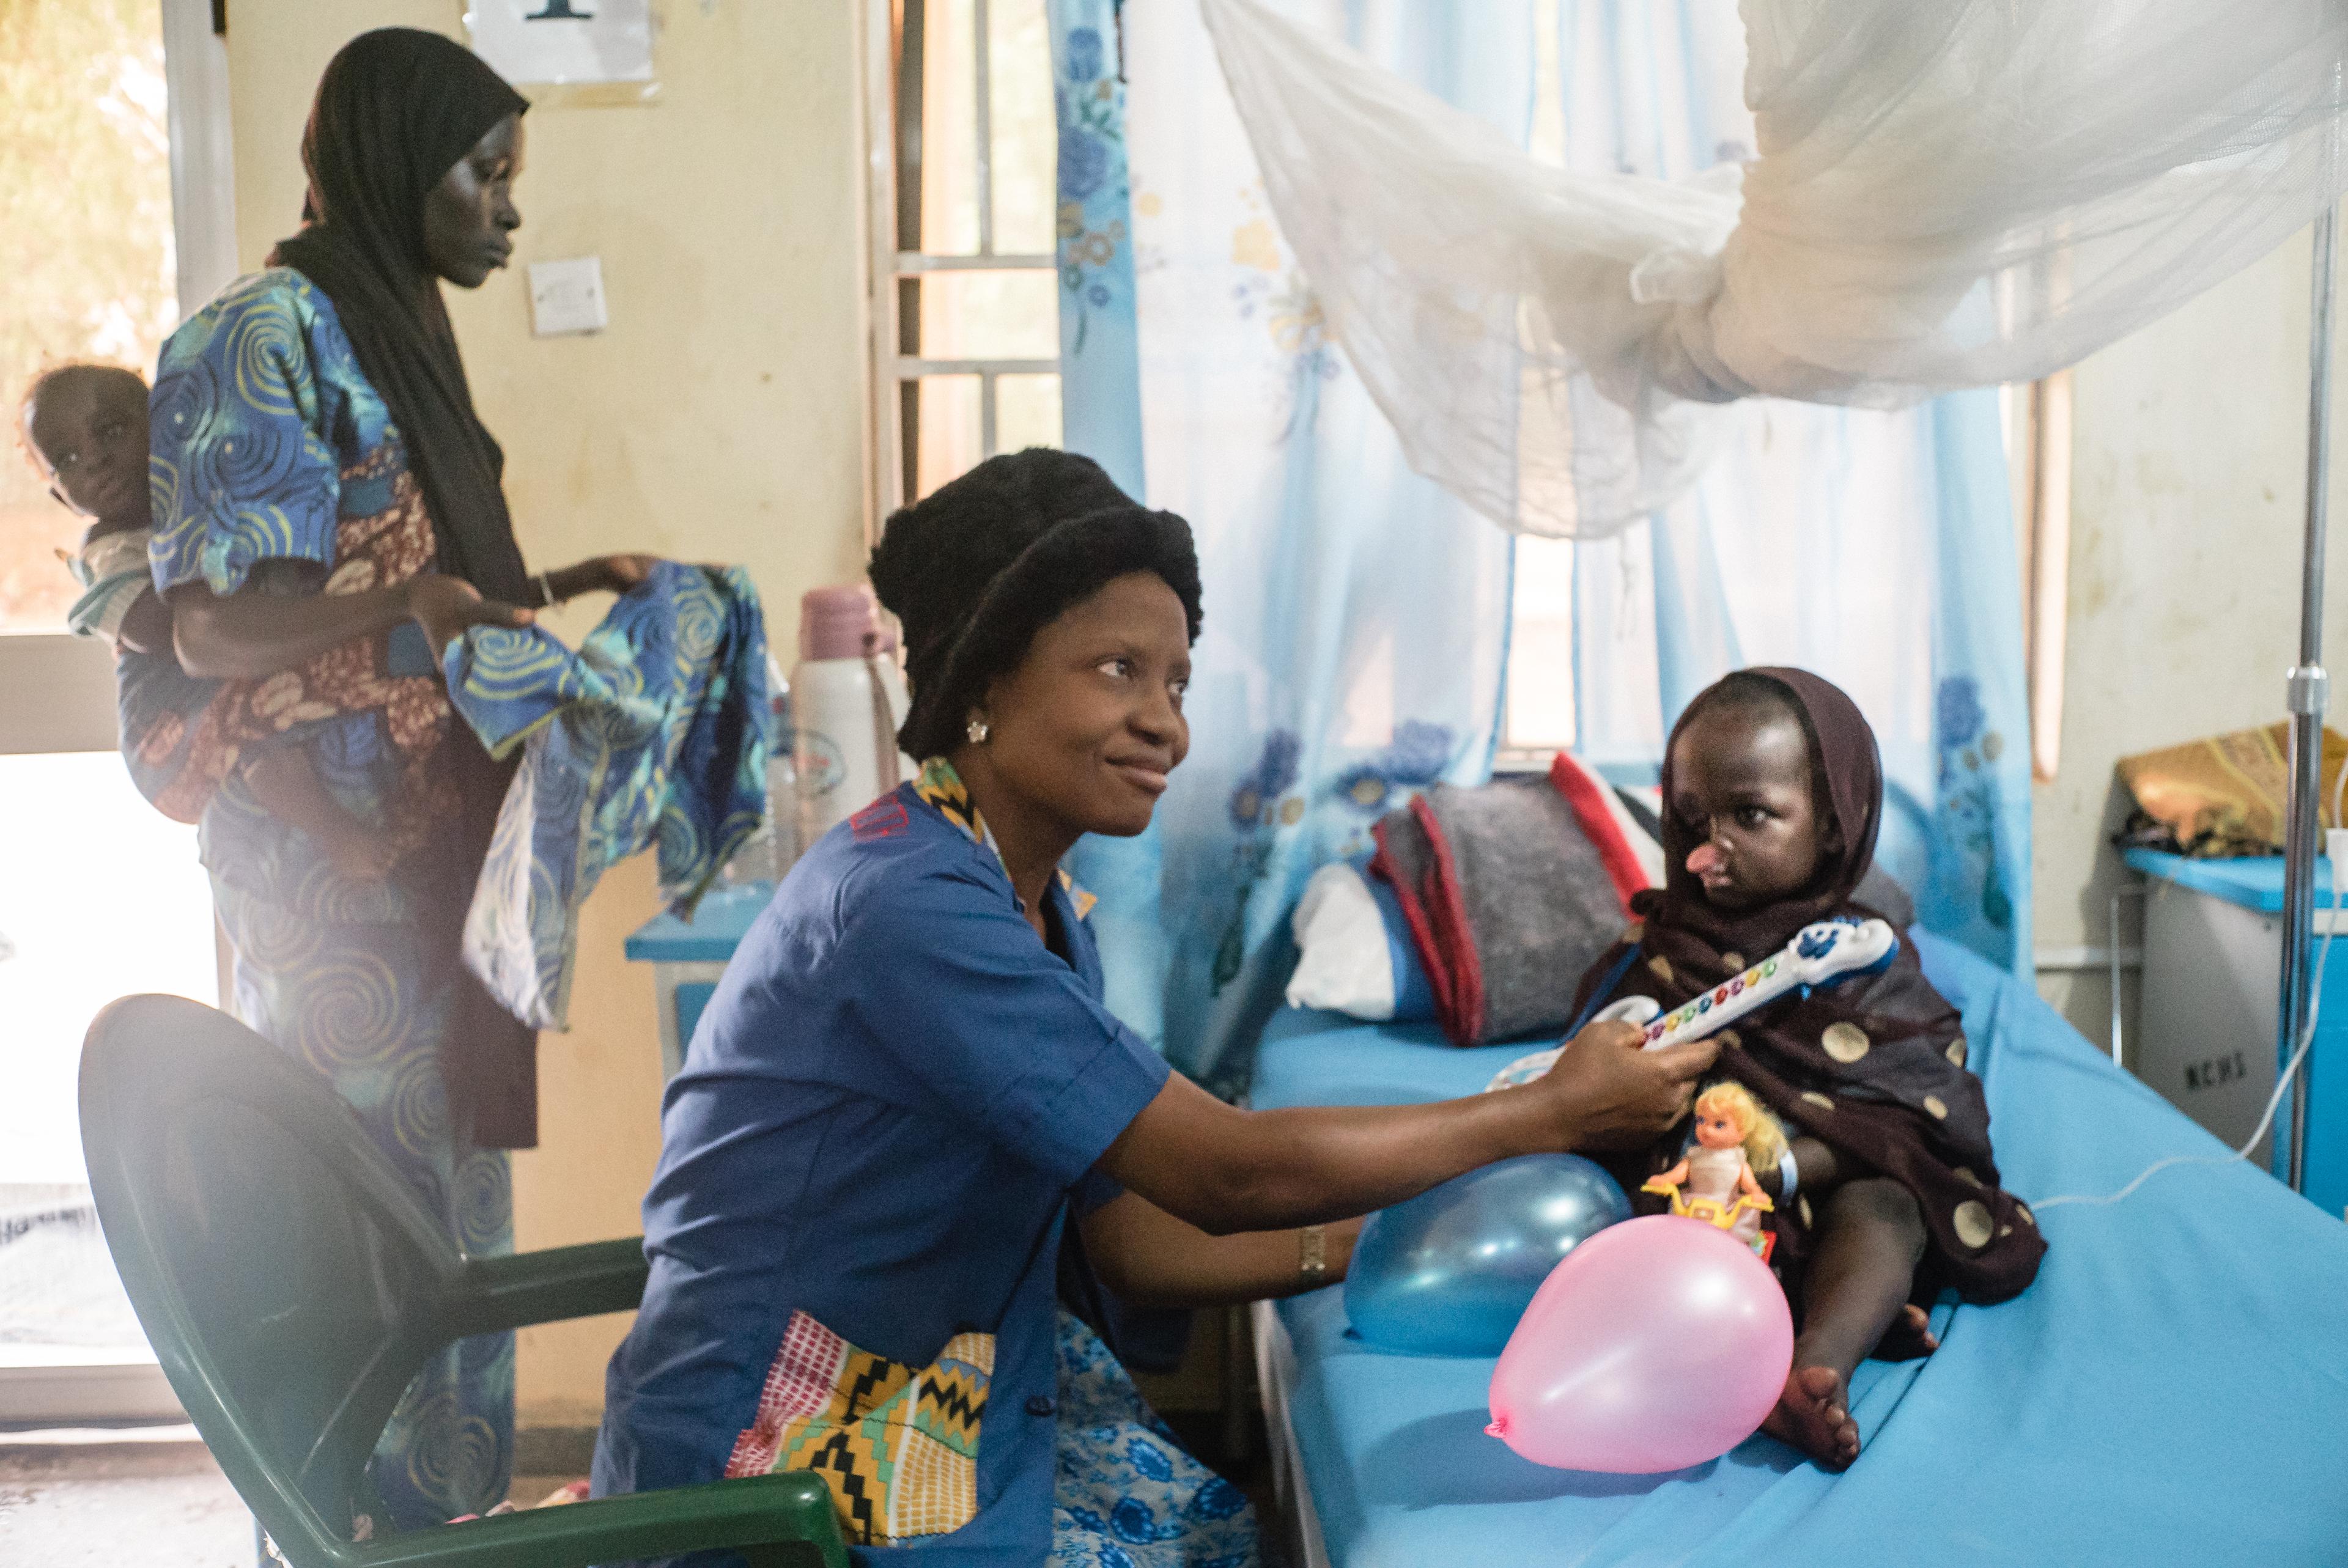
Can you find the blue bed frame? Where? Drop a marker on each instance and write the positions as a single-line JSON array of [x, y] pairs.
[[2172, 1390]]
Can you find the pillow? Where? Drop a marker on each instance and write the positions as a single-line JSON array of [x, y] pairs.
[[1638, 811], [1512, 890], [1355, 954]]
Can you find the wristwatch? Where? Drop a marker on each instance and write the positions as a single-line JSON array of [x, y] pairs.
[[1312, 1254]]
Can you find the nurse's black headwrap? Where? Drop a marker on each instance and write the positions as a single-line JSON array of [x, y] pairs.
[[976, 569], [394, 111]]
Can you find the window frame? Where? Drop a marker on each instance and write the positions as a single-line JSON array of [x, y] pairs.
[[56, 694], [2038, 442], [893, 132], [57, 690]]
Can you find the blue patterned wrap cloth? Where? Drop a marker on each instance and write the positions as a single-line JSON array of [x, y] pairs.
[[655, 730]]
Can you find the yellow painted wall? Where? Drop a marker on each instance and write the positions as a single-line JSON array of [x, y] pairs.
[[2188, 473], [720, 418]]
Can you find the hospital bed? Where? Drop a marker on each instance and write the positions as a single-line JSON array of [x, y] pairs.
[[2172, 1390]]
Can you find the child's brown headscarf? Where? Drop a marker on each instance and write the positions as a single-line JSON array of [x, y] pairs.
[[1874, 1066]]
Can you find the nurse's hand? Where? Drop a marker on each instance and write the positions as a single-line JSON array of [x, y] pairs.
[[1612, 1094], [1224, 1169]]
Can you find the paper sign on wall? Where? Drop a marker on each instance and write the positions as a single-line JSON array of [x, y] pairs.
[[564, 41]]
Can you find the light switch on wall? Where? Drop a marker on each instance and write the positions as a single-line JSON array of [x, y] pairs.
[[567, 296]]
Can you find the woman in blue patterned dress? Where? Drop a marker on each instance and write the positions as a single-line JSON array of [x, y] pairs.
[[328, 517]]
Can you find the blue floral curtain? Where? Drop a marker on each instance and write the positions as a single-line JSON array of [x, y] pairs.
[[1101, 402], [1099, 348], [1875, 549], [1355, 614]]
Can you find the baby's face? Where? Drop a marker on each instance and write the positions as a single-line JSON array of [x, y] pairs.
[[90, 430], [1741, 787]]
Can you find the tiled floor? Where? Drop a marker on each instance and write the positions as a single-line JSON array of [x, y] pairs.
[[154, 1500], [158, 1504]]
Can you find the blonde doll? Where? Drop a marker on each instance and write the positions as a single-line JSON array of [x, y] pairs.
[[1713, 1182]]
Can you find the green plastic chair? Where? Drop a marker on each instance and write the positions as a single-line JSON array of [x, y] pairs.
[[292, 1286]]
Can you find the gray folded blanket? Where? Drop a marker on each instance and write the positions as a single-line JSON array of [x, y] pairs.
[[1511, 889]]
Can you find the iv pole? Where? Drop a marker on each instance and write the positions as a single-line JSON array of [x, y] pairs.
[[2306, 693]]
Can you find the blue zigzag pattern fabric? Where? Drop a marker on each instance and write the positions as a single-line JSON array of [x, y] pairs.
[[653, 732]]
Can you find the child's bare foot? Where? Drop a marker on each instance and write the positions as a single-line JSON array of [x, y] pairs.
[[1814, 1415], [1909, 1337]]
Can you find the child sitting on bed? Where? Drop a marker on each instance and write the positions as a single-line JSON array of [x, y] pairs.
[[1772, 793], [86, 426]]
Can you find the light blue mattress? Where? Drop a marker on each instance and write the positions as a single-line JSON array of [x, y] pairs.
[[2172, 1390]]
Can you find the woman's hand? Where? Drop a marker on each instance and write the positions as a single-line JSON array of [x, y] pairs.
[[1612, 1094], [600, 574], [147, 626], [1224, 1169], [445, 606], [276, 620]]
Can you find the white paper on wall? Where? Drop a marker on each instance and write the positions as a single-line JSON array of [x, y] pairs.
[[564, 41]]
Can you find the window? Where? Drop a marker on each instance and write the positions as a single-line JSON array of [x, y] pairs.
[[966, 339], [1537, 715], [112, 157], [86, 185], [106, 900]]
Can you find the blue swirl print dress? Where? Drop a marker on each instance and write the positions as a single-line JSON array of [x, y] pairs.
[[268, 444], [653, 732]]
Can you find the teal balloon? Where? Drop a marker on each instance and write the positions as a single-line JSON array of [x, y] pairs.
[[1450, 1272]]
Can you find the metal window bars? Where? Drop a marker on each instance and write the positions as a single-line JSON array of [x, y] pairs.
[[896, 41]]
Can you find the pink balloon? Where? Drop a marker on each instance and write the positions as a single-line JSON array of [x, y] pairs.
[[1657, 1344]]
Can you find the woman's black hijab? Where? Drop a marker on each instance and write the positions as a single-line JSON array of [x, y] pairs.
[[394, 111]]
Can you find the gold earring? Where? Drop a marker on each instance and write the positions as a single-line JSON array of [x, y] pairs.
[[977, 731]]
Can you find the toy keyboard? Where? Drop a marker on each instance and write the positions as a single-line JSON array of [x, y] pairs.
[[1819, 954]]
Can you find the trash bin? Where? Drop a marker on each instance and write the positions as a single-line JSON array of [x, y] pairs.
[[2212, 975]]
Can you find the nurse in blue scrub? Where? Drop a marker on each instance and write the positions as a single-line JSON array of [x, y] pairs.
[[906, 1085]]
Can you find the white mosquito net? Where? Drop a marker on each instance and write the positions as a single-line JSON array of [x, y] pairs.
[[1947, 193]]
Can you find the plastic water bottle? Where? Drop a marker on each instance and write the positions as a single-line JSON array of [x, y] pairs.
[[848, 699]]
